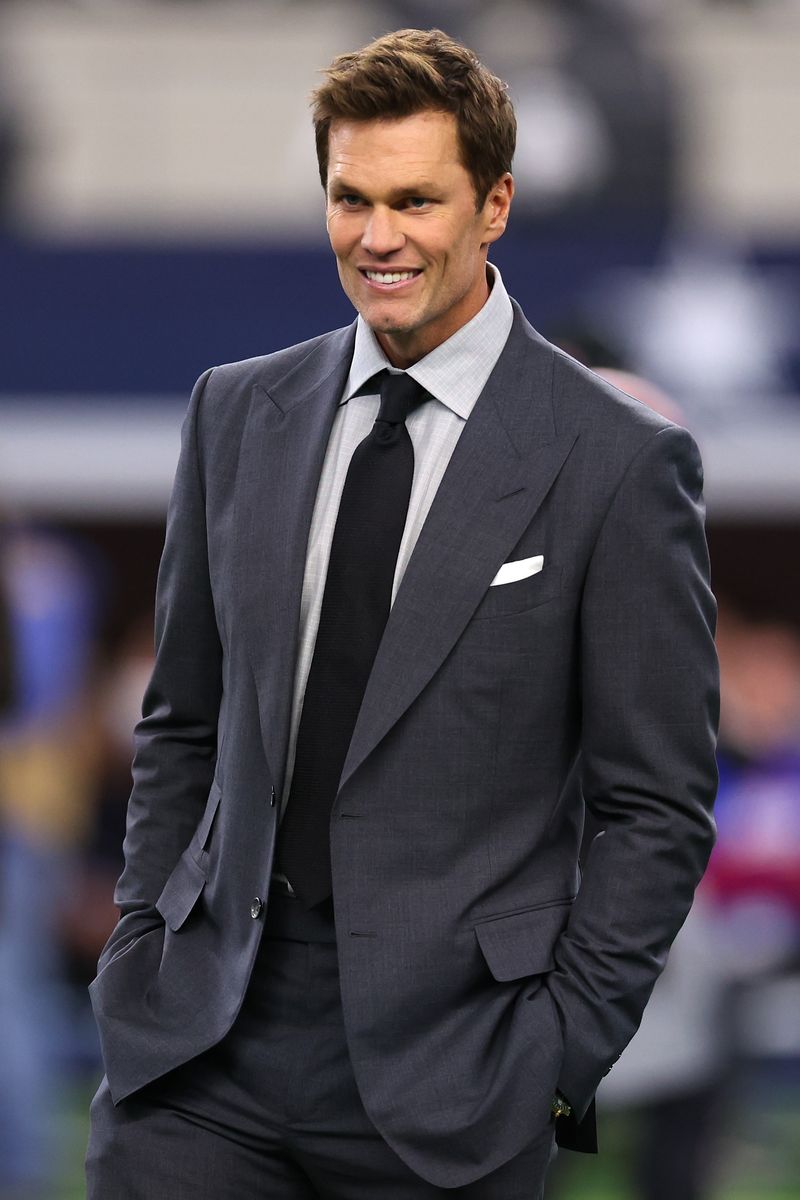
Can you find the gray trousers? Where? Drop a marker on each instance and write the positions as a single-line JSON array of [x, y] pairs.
[[273, 1111]]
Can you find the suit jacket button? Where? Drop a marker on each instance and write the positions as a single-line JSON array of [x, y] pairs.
[[256, 907]]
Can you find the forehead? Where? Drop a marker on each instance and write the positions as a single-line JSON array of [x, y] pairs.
[[394, 149]]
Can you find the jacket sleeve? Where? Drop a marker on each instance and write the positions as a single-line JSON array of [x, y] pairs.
[[175, 742], [650, 702]]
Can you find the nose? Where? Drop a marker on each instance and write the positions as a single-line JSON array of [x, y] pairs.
[[382, 234]]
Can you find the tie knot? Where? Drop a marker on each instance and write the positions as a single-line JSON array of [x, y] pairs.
[[399, 395]]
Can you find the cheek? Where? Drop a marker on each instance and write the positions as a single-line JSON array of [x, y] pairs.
[[343, 236], [339, 246], [456, 252]]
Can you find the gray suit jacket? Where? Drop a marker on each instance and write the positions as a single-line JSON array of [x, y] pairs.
[[478, 971]]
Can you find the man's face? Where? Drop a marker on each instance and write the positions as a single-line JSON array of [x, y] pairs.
[[410, 247]]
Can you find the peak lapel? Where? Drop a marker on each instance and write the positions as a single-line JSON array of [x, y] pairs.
[[283, 449], [504, 463]]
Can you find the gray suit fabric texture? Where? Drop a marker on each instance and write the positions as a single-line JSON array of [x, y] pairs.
[[479, 971], [273, 1110]]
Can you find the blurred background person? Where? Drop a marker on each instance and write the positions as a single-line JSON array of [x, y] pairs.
[[44, 790], [114, 707], [7, 665]]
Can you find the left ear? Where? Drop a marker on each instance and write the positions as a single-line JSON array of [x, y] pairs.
[[497, 208]]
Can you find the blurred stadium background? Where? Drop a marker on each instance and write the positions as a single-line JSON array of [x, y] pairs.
[[159, 212]]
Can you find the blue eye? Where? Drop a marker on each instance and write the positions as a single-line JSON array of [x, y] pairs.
[[417, 201]]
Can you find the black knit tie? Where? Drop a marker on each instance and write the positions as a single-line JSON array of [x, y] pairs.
[[355, 608]]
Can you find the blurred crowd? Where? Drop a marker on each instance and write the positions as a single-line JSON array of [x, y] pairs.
[[67, 714]]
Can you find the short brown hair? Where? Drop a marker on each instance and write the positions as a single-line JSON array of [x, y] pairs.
[[418, 70]]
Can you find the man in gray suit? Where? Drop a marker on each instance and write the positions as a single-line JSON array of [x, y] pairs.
[[429, 588]]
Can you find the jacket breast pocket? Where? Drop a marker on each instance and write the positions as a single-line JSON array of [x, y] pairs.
[[521, 943], [504, 599]]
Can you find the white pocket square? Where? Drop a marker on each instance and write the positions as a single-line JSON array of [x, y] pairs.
[[511, 572]]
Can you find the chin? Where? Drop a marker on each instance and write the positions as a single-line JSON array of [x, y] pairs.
[[386, 322], [389, 326]]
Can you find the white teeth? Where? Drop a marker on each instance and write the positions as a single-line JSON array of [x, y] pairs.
[[389, 276]]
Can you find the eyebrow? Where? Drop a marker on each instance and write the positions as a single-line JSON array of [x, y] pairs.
[[420, 187]]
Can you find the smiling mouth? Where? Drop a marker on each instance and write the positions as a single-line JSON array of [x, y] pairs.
[[390, 278]]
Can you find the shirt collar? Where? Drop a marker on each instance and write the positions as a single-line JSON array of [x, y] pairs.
[[456, 372]]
